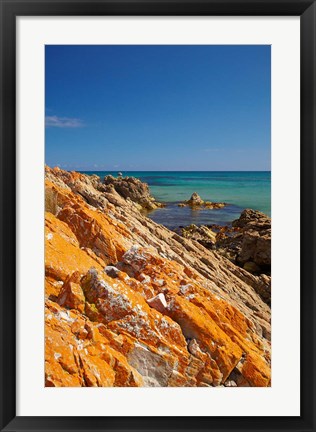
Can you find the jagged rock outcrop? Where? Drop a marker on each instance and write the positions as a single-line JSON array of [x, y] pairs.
[[133, 189], [130, 303], [196, 202], [247, 243], [202, 234], [256, 240]]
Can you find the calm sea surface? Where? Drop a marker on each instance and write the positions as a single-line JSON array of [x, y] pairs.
[[240, 189]]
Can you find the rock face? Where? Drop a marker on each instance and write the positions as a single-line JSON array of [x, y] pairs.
[[256, 240], [196, 202], [247, 243], [202, 234], [130, 303], [134, 189]]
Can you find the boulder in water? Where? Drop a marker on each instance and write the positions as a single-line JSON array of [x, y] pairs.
[[196, 202]]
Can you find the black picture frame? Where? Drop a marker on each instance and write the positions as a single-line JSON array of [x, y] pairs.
[[10, 9]]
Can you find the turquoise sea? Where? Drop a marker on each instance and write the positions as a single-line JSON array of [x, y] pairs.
[[240, 189]]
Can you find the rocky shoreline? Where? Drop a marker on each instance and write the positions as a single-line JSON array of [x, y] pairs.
[[132, 189], [130, 303], [246, 243]]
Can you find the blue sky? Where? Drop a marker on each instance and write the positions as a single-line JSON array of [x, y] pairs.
[[150, 107]]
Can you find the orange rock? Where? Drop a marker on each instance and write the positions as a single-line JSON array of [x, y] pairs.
[[71, 294], [102, 331], [195, 323], [63, 255]]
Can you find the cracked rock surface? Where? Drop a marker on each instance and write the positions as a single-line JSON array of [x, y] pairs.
[[130, 303]]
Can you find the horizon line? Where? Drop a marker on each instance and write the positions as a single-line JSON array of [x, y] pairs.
[[133, 170]]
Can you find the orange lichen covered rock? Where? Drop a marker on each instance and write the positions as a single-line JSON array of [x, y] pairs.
[[63, 255], [130, 303], [196, 324], [71, 294]]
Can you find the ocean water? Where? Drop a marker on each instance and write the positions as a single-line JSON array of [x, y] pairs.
[[240, 189]]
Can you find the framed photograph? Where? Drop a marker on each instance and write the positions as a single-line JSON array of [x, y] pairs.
[[157, 215]]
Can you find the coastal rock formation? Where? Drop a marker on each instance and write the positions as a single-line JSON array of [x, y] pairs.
[[256, 242], [196, 202], [130, 303], [247, 243], [133, 189], [202, 234]]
